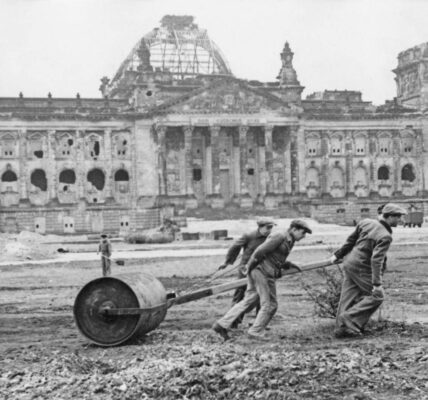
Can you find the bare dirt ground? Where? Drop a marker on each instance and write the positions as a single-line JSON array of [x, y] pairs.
[[43, 356]]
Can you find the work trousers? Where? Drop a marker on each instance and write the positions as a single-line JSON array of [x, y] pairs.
[[239, 295], [357, 303], [105, 264], [261, 287]]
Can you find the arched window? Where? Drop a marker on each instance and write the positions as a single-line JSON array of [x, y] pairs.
[[360, 145], [67, 176], [38, 178], [9, 176], [336, 177], [383, 173], [360, 177], [407, 173], [312, 178], [121, 175], [97, 178]]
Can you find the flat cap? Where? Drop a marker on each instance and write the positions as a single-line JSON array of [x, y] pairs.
[[300, 224], [265, 221], [394, 209]]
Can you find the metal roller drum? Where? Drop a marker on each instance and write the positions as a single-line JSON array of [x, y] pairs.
[[104, 309]]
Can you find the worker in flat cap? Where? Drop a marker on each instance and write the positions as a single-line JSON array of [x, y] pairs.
[[105, 249], [248, 242], [263, 268], [363, 255]]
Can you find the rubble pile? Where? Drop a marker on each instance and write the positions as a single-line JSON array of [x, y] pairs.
[[205, 368], [25, 246]]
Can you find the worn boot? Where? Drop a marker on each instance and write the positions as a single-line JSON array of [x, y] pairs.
[[217, 328]]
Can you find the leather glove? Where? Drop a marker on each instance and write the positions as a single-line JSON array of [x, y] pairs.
[[223, 266], [290, 266], [294, 266], [334, 259], [378, 292]]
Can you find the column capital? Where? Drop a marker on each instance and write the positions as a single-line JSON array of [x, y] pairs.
[[188, 129], [268, 128], [215, 129], [160, 129], [243, 129]]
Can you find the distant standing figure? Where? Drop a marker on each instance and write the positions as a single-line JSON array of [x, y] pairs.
[[105, 249]]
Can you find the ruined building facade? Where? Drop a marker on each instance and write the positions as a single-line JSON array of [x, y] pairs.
[[174, 127]]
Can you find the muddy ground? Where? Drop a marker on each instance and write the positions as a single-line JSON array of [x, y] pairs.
[[43, 356]]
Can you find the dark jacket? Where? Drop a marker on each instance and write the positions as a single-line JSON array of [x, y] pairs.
[[249, 242], [271, 256], [105, 247], [366, 247]]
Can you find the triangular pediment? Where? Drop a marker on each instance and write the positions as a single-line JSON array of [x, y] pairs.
[[226, 96]]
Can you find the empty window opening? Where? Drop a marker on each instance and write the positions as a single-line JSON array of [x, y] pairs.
[[38, 153], [67, 176], [97, 178], [37, 226], [70, 142], [340, 211], [407, 173], [250, 171], [8, 153], [66, 225], [250, 151], [126, 224], [95, 152], [9, 176], [383, 173], [38, 178], [121, 224], [408, 149], [94, 200], [149, 93], [121, 176], [65, 188], [197, 174]]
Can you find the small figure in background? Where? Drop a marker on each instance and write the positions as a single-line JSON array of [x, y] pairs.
[[105, 249]]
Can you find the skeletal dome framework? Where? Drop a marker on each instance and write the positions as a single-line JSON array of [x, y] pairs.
[[178, 47]]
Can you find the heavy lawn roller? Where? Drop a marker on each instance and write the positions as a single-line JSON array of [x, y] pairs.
[[109, 311]]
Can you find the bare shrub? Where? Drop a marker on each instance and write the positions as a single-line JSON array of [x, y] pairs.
[[152, 237], [326, 295]]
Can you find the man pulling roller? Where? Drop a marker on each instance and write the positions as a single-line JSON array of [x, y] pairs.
[[264, 267], [248, 242]]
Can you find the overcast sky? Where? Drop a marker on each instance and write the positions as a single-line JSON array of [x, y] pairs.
[[66, 46]]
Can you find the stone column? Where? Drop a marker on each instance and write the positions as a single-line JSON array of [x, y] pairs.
[[269, 158], [188, 132], [294, 163], [243, 159], [349, 187], [23, 173], [324, 165], [161, 150], [215, 159], [133, 181], [79, 156], [51, 174], [109, 190], [207, 174], [396, 162], [261, 162]]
